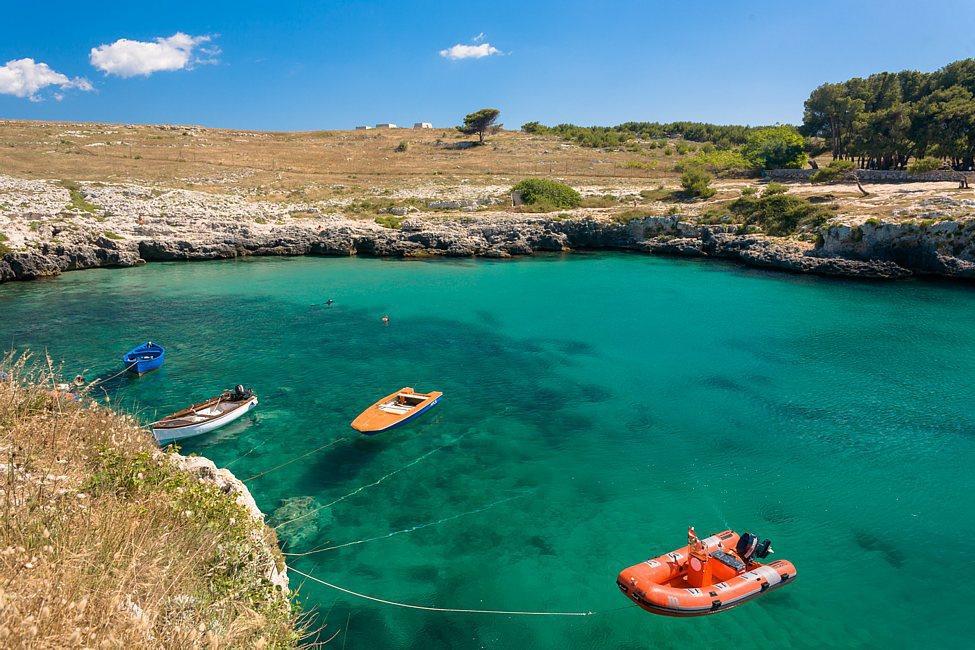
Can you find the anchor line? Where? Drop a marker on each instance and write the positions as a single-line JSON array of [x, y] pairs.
[[357, 490], [368, 485], [295, 459], [456, 610], [411, 529]]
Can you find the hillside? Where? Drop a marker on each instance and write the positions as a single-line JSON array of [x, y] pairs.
[[77, 196], [109, 541]]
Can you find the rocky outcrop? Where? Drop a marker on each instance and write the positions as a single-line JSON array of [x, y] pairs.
[[945, 247], [866, 251], [935, 235], [269, 556]]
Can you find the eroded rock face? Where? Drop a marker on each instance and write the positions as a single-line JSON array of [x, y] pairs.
[[162, 225], [205, 470], [944, 247]]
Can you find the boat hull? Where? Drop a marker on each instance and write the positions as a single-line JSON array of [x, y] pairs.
[[660, 586], [189, 431], [410, 418], [395, 410], [144, 358]]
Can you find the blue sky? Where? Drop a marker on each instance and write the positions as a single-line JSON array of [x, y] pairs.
[[319, 65]]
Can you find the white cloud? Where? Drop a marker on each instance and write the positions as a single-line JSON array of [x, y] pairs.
[[127, 58], [27, 78], [469, 51]]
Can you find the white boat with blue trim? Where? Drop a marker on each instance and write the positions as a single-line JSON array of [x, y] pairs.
[[206, 416]]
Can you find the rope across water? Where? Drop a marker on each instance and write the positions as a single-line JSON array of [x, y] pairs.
[[427, 608]]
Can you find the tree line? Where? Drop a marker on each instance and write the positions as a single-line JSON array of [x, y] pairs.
[[879, 122], [882, 121], [723, 136]]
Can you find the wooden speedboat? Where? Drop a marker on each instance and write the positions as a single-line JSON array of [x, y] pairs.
[[205, 416], [705, 577], [394, 409], [143, 358]]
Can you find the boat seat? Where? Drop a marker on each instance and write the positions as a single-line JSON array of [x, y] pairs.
[[728, 560]]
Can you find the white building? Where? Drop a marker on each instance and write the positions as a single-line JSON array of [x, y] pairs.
[[386, 125], [362, 128], [422, 125]]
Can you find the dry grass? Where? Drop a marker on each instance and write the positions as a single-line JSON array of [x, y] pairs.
[[106, 543], [302, 165]]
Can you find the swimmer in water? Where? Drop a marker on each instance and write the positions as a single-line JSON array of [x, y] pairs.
[[385, 319], [328, 303]]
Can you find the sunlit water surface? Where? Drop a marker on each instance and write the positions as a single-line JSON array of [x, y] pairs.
[[594, 407]]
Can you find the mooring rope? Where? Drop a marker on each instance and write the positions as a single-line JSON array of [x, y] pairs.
[[358, 489], [296, 459], [119, 373], [368, 485], [426, 608], [411, 529]]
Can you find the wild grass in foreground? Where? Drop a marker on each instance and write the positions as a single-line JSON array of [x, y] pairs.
[[106, 542]]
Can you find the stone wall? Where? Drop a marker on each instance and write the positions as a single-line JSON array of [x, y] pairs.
[[870, 176]]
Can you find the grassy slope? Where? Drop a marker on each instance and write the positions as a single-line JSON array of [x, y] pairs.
[[105, 541]]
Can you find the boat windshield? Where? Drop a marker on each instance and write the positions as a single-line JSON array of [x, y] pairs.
[[406, 399]]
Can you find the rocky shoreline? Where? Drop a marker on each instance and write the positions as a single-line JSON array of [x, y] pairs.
[[842, 253], [127, 225]]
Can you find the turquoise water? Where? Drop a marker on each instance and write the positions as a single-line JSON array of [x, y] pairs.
[[595, 405]]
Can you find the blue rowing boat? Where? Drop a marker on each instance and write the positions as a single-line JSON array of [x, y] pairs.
[[144, 358]]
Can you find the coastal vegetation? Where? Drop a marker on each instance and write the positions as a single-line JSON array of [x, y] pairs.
[[106, 541], [776, 147], [481, 123], [544, 195], [885, 119], [773, 210], [78, 203], [722, 136], [696, 183], [835, 171], [391, 221]]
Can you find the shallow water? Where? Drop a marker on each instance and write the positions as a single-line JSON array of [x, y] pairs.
[[595, 405]]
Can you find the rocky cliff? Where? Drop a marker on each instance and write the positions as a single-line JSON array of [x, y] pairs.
[[149, 225]]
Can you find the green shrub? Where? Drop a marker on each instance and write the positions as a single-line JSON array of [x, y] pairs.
[[696, 183], [78, 201], [779, 214], [776, 147], [629, 215], [390, 221], [922, 165], [604, 201], [402, 147], [4, 249], [725, 162], [659, 194], [108, 234], [640, 164], [836, 170], [545, 194], [774, 188]]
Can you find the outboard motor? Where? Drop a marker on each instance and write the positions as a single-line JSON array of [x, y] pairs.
[[240, 393], [749, 546]]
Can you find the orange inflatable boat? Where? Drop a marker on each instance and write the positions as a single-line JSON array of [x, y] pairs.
[[707, 576]]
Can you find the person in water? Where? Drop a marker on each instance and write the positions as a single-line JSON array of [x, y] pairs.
[[328, 303], [385, 319]]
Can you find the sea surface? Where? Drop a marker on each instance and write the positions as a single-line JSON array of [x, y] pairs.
[[594, 406]]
